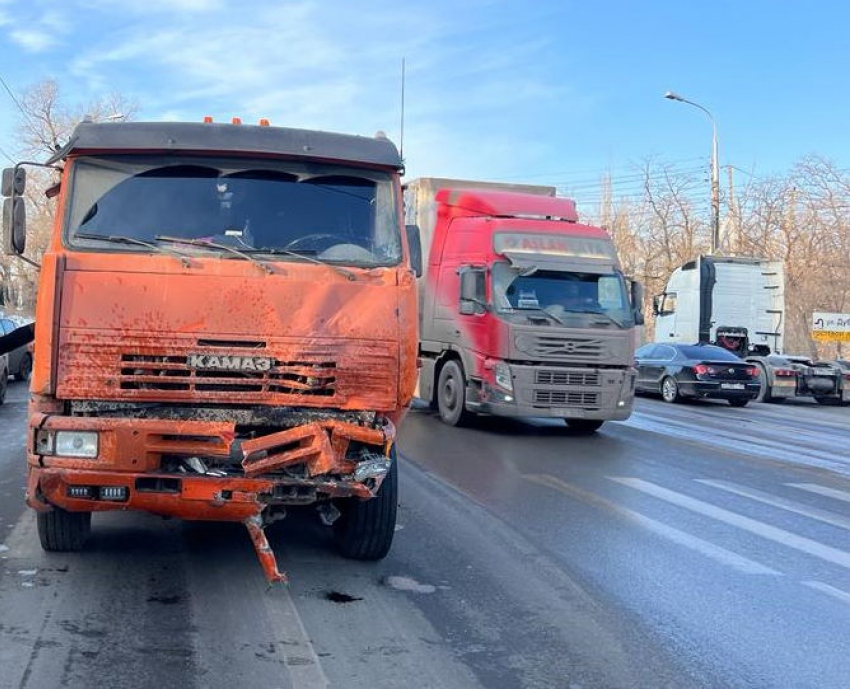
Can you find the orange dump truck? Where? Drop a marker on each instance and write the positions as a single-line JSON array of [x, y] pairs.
[[226, 327]]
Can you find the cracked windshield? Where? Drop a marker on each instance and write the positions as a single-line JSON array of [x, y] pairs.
[[329, 213]]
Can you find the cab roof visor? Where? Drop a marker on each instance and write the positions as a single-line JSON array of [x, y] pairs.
[[146, 137]]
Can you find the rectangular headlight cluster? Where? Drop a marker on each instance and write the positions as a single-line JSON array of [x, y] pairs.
[[76, 444]]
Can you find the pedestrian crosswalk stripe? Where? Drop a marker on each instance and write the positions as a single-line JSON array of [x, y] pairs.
[[715, 552], [781, 536], [783, 503], [843, 596], [822, 490]]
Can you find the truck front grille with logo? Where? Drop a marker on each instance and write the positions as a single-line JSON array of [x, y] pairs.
[[325, 373], [223, 372], [584, 349]]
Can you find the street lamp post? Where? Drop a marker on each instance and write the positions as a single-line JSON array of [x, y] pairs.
[[715, 172]]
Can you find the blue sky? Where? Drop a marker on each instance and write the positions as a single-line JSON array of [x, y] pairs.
[[549, 92]]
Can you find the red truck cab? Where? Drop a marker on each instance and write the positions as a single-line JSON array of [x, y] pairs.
[[524, 310]]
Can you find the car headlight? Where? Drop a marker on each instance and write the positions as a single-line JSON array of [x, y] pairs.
[[78, 444], [503, 377]]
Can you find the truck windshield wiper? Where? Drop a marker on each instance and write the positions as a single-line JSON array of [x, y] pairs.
[[596, 312], [537, 309], [215, 245], [121, 239], [286, 252]]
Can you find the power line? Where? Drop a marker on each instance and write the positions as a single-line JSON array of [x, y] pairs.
[[7, 156], [637, 178], [17, 102], [588, 171]]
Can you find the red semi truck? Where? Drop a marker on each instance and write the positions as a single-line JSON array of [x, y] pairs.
[[524, 311]]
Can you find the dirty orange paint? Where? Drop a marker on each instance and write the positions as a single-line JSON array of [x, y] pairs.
[[215, 385]]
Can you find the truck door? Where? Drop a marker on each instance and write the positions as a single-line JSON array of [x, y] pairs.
[[665, 321]]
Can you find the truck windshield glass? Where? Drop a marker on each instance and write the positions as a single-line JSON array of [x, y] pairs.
[[563, 295], [284, 210]]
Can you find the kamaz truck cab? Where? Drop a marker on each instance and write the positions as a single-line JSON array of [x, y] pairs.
[[225, 329]]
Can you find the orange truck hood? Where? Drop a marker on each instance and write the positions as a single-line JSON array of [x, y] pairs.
[[148, 329]]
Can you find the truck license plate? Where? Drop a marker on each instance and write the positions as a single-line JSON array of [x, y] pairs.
[[732, 386]]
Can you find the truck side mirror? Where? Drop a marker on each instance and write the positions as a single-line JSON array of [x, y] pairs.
[[14, 226], [14, 181], [14, 210], [637, 302], [414, 244], [471, 291]]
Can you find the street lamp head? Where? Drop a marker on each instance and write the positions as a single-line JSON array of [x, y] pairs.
[[673, 96]]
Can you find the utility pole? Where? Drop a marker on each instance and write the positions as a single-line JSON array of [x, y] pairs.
[[715, 171]]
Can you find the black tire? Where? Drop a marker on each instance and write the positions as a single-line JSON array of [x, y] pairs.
[[764, 386], [25, 367], [584, 425], [451, 394], [4, 384], [61, 531], [670, 390], [365, 528], [738, 402]]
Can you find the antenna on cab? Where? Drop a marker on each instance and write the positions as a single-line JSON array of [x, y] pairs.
[[401, 137]]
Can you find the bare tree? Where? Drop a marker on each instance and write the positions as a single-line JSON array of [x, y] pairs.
[[45, 124]]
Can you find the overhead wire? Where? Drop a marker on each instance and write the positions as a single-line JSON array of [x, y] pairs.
[[17, 102], [587, 171]]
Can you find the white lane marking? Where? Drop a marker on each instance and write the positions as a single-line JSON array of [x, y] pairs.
[[715, 552], [843, 596], [305, 672], [786, 538], [822, 490], [782, 503], [813, 452]]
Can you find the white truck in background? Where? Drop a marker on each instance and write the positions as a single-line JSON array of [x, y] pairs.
[[739, 304], [713, 299]]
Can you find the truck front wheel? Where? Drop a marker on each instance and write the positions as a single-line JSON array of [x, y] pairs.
[[451, 394], [365, 528], [61, 531]]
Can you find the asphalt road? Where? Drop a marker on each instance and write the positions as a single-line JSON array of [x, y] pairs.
[[692, 546]]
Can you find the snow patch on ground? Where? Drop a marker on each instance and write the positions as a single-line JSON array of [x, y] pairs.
[[408, 584]]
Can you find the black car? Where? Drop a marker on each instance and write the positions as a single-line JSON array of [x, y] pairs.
[[676, 371]]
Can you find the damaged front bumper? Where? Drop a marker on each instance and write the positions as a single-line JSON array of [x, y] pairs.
[[197, 470]]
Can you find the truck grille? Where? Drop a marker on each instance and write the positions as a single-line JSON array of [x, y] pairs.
[[564, 398], [145, 372], [560, 346], [318, 372], [566, 378]]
